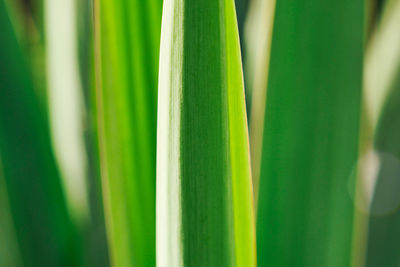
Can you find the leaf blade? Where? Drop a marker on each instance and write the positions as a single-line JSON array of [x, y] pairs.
[[310, 141], [203, 171], [126, 99]]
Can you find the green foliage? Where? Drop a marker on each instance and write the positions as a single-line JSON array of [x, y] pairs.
[[204, 192], [96, 244], [322, 81], [42, 224], [310, 144], [377, 217], [383, 241], [127, 38], [9, 250]]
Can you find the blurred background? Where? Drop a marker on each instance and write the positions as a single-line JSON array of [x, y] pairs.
[[52, 211]]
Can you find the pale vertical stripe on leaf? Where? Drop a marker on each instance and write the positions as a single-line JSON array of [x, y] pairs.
[[169, 97]]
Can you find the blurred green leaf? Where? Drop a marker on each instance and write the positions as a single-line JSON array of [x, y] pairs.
[[259, 25], [96, 240], [383, 237], [375, 227], [310, 143], [127, 40], [204, 192], [45, 233], [65, 104], [382, 60], [377, 218], [9, 250]]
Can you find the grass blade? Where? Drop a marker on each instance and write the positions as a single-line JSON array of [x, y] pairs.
[[310, 142], [127, 38], [204, 192]]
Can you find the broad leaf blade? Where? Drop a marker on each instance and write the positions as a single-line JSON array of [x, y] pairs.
[[204, 192], [310, 143]]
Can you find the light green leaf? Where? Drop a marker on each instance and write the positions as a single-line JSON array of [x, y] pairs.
[[127, 38]]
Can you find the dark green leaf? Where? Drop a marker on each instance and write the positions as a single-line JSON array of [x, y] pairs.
[[310, 144]]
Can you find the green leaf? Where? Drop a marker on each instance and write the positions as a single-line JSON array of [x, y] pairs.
[[311, 129], [127, 40], [45, 233], [204, 191]]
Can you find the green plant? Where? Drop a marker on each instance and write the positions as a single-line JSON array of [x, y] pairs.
[[315, 185]]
